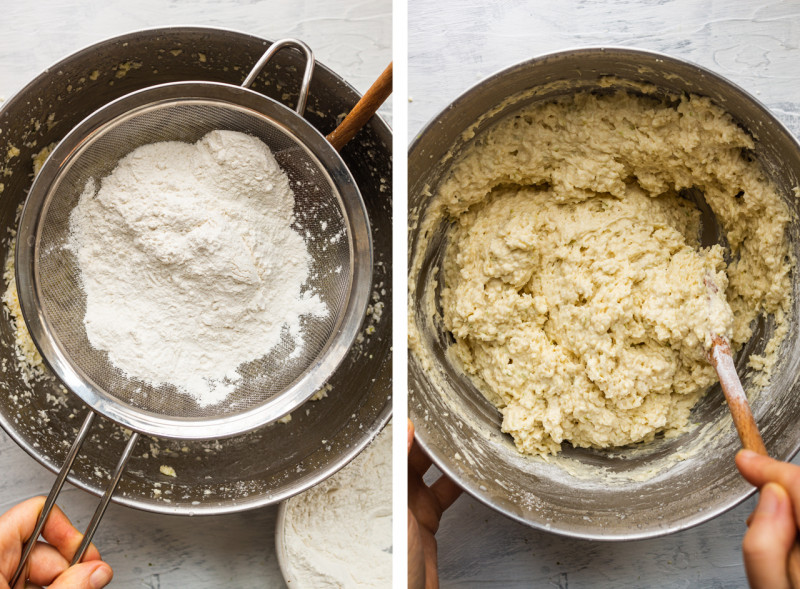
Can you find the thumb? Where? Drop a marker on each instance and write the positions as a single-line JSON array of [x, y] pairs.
[[86, 575], [767, 542]]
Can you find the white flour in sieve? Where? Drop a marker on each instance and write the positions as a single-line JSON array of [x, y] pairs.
[[189, 262], [338, 534]]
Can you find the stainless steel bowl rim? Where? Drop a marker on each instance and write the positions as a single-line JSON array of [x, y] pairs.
[[233, 506], [445, 462], [588, 49]]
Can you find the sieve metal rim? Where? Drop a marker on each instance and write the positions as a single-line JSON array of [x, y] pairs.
[[346, 328]]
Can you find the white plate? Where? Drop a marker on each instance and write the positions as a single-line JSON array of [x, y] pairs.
[[280, 548]]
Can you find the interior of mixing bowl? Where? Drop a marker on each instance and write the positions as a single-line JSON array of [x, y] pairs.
[[270, 463], [633, 492]]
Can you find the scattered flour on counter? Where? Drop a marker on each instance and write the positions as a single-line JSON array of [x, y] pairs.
[[339, 533], [214, 273]]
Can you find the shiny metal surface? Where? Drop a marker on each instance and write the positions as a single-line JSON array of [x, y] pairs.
[[302, 94], [273, 462], [615, 495], [327, 204], [52, 497]]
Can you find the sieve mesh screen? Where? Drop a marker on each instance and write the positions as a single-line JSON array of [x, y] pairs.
[[319, 216]]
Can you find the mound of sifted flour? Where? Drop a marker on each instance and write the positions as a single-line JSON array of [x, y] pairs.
[[190, 263]]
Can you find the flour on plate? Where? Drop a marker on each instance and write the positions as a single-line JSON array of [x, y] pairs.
[[339, 533], [190, 264]]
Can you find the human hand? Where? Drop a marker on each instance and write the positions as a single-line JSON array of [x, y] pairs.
[[49, 561], [773, 525], [425, 508]]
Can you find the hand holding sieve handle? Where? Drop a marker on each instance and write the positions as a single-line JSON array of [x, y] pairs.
[[56, 490], [52, 496]]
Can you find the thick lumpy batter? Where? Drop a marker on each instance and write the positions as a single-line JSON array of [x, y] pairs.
[[580, 298]]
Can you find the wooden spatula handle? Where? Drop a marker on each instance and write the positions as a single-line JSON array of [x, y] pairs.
[[722, 360], [363, 110]]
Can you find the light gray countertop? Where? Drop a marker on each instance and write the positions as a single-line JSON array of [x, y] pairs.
[[453, 45], [352, 38]]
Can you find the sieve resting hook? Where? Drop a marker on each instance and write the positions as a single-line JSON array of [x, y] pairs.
[[273, 49]]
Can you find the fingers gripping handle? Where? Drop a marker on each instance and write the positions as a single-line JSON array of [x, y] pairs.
[[56, 490], [722, 360], [51, 498]]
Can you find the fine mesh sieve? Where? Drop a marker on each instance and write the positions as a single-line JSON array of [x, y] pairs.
[[328, 212]]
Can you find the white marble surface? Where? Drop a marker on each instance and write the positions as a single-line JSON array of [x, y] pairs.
[[453, 44], [351, 37]]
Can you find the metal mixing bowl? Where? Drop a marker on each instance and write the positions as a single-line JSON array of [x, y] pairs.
[[626, 493], [274, 462]]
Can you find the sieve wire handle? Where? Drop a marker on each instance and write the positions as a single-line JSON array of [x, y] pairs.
[[101, 508], [51, 498], [54, 492], [273, 49]]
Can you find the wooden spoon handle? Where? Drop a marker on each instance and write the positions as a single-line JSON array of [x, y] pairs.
[[722, 360], [363, 110]]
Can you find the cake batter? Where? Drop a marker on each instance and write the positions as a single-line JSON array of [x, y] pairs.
[[579, 296]]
